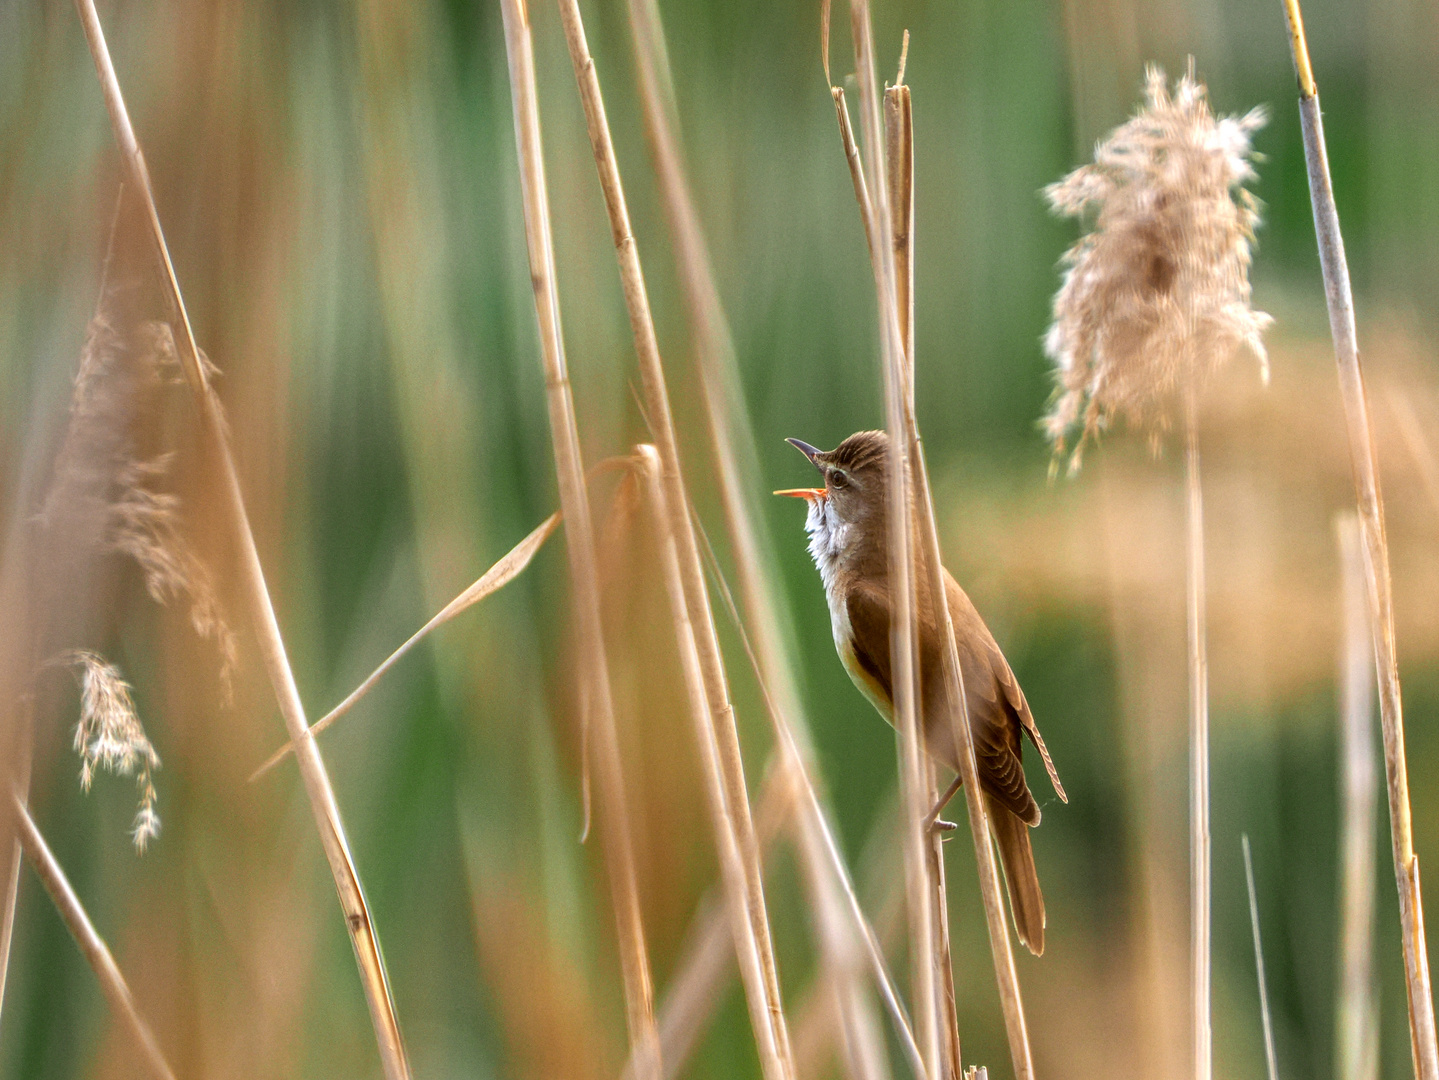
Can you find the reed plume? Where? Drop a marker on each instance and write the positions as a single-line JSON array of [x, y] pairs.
[[1155, 297], [110, 737], [1154, 301]]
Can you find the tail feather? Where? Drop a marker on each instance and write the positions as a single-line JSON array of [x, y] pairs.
[[1026, 902]]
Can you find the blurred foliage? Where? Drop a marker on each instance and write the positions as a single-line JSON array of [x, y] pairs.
[[338, 185]]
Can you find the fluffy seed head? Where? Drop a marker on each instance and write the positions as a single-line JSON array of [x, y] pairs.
[[109, 736], [1156, 297]]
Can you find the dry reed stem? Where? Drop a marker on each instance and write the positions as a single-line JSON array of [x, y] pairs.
[[814, 828], [733, 442], [1269, 1058], [915, 786], [1363, 457], [900, 409], [1356, 1007], [899, 154], [766, 1003], [579, 534], [694, 990], [15, 771], [92, 945], [1199, 839], [702, 713], [509, 566], [254, 592]]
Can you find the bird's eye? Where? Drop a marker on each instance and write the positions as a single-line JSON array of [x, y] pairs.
[[838, 479]]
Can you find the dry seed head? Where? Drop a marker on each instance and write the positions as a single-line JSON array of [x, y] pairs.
[[109, 736], [1156, 297], [101, 477]]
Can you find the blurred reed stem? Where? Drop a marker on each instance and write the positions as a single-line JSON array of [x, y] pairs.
[[1364, 460], [1356, 1009], [595, 691], [696, 985], [1269, 1059], [757, 964], [253, 590], [92, 945], [701, 712], [1198, 658], [760, 586], [813, 828]]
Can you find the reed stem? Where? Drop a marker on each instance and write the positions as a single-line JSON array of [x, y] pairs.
[[871, 189], [1363, 458], [733, 444], [1356, 1008], [1199, 842], [253, 590], [899, 153], [1269, 1059], [691, 663], [510, 565], [92, 945], [579, 533], [761, 980], [903, 426]]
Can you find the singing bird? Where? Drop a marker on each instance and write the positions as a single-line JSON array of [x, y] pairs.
[[848, 539]]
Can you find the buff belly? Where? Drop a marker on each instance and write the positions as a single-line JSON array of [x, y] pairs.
[[844, 645]]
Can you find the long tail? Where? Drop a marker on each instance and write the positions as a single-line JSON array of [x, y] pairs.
[[1011, 835]]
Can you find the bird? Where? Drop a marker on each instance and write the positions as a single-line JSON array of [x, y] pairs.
[[847, 523]]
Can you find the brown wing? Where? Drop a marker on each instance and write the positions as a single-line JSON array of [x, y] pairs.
[[868, 611], [994, 722], [964, 614]]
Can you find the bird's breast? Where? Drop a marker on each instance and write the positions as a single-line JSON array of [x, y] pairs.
[[868, 685]]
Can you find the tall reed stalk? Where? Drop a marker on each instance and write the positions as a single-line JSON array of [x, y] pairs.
[[252, 587], [916, 790], [1356, 1022], [691, 664], [97, 954], [757, 963], [1200, 962], [760, 587], [1364, 461], [1270, 1061], [913, 495], [899, 155], [579, 534]]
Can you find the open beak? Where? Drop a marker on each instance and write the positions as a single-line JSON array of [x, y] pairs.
[[802, 493], [805, 493]]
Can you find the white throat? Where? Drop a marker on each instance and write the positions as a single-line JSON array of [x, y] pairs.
[[828, 537]]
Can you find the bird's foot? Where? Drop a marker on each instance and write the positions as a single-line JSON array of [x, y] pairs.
[[939, 825]]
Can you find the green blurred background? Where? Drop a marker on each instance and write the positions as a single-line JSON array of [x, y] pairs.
[[339, 188]]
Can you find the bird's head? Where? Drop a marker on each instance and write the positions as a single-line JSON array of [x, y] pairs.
[[848, 513]]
